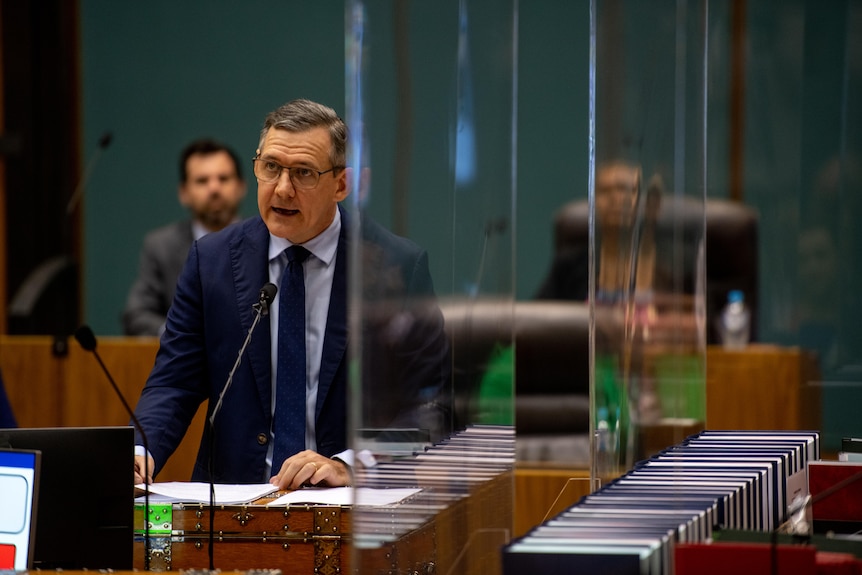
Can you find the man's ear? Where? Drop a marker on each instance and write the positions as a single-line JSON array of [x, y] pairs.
[[342, 189], [182, 195]]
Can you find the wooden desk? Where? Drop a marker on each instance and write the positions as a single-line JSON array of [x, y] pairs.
[[762, 387], [542, 492], [468, 527], [50, 391]]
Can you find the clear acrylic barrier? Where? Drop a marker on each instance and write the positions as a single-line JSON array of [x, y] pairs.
[[646, 205], [433, 162], [802, 156]]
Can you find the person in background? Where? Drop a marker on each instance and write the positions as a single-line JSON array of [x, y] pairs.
[[211, 188], [262, 434]]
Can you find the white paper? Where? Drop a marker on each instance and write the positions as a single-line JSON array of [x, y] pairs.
[[345, 496], [194, 492]]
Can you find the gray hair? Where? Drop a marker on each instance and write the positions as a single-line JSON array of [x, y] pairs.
[[301, 115]]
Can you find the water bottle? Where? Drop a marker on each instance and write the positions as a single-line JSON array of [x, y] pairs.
[[734, 322]]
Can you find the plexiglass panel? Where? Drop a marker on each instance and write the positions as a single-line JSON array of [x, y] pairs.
[[802, 153], [646, 222], [431, 328]]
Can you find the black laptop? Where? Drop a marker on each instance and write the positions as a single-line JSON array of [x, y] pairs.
[[86, 495], [19, 495]]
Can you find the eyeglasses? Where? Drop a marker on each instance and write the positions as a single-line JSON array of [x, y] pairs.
[[301, 177]]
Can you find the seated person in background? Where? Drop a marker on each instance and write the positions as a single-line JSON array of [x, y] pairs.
[[284, 419], [211, 187], [618, 186]]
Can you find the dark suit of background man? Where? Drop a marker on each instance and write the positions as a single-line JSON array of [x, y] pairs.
[[211, 188], [300, 168]]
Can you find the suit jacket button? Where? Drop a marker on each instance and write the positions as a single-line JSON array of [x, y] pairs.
[[262, 439]]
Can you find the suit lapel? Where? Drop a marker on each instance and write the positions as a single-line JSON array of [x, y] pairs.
[[250, 272], [250, 268], [335, 338]]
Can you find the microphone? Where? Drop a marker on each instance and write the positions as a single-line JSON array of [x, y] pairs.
[[104, 142], [261, 308], [492, 227], [87, 339], [267, 294]]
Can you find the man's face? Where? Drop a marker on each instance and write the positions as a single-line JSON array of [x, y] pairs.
[[299, 214], [212, 190], [616, 194]]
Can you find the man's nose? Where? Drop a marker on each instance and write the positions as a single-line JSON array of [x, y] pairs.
[[213, 184], [284, 185]]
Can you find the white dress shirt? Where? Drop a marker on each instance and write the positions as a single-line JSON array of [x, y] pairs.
[[319, 271]]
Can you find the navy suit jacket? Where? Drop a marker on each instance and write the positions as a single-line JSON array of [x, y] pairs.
[[210, 318]]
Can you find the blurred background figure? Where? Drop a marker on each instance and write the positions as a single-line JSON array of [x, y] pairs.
[[618, 186], [211, 188]]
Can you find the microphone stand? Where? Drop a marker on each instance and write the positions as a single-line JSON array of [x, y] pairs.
[[261, 308], [492, 227], [87, 339], [104, 142]]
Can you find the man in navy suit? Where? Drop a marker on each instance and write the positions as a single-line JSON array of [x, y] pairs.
[[300, 168]]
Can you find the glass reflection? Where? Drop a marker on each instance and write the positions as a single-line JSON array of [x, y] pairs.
[[431, 338], [802, 155], [645, 282]]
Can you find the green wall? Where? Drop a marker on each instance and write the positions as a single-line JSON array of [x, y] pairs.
[[159, 76]]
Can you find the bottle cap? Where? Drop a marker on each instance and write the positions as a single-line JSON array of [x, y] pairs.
[[735, 296]]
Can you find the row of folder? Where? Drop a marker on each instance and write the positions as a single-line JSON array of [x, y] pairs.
[[744, 480]]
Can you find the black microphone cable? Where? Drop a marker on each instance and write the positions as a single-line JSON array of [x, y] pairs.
[[261, 308], [87, 339]]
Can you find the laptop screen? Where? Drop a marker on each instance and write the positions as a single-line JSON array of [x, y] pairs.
[[19, 492], [86, 495]]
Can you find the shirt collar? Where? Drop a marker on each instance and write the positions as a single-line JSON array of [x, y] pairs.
[[198, 230], [321, 246]]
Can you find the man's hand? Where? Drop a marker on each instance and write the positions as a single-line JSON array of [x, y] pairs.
[[139, 469], [310, 468]]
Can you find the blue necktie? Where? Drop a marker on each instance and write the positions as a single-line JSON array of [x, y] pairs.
[[290, 367]]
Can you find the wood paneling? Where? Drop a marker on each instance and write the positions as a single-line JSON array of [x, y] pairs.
[[50, 391], [759, 387], [33, 378], [542, 492], [762, 387]]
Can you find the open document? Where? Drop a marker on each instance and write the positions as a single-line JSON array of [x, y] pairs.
[[193, 492]]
